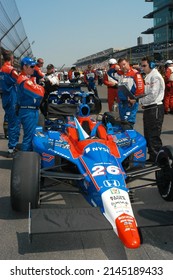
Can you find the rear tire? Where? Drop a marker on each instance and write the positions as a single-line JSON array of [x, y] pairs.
[[25, 181], [164, 177]]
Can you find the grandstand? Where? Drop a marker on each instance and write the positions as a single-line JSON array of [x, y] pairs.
[[134, 54], [159, 50]]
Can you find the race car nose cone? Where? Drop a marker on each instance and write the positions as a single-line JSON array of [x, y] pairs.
[[127, 231]]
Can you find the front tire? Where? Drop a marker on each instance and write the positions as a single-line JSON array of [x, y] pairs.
[[25, 181], [164, 177]]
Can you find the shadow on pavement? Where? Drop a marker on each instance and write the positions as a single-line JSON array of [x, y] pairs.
[[167, 132], [107, 241], [5, 164]]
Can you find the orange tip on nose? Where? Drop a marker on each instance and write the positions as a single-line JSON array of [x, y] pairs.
[[128, 231]]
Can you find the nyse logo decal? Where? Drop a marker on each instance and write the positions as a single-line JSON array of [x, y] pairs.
[[100, 149], [111, 183], [96, 149]]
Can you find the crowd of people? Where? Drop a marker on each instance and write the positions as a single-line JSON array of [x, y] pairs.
[[25, 92]]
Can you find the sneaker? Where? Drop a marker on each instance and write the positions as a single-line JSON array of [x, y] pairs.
[[11, 153]]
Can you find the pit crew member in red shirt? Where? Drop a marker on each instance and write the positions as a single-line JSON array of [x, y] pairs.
[[168, 97], [30, 95], [8, 79], [111, 83], [38, 72]]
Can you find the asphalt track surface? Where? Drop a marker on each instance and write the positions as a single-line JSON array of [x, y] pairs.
[[153, 214]]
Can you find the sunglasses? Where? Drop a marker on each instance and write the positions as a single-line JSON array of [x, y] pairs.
[[31, 66], [144, 65]]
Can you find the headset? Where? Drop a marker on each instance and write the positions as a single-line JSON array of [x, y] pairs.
[[152, 64]]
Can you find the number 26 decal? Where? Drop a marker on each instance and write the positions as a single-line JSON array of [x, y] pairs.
[[101, 170]]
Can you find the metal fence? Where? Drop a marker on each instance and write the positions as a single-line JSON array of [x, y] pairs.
[[12, 32]]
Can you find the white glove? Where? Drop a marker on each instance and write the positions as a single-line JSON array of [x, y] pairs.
[[53, 80]]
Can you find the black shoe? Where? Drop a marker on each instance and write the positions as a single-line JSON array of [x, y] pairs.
[[12, 153]]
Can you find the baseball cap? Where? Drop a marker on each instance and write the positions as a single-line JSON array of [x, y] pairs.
[[28, 61], [169, 61], [50, 66], [112, 61]]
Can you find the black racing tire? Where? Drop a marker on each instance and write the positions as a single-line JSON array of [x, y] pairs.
[[25, 181], [164, 177]]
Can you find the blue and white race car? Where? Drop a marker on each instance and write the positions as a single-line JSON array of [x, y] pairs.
[[100, 157]]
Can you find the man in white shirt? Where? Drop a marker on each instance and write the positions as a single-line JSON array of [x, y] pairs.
[[153, 107]]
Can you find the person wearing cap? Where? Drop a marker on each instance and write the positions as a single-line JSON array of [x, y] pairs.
[[30, 95], [90, 78], [50, 69], [111, 83], [51, 78], [51, 83], [64, 78], [168, 77], [38, 74], [9, 77]]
